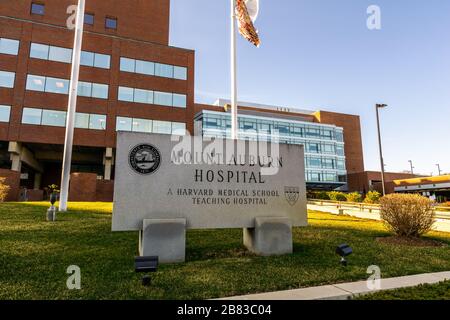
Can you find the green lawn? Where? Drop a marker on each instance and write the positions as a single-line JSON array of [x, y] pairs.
[[35, 254], [440, 291]]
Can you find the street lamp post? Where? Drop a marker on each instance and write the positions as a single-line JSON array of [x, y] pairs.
[[411, 164], [377, 107], [439, 168]]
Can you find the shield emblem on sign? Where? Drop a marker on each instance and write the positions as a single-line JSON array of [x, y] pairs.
[[292, 195]]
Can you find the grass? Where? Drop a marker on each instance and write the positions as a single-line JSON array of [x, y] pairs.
[[440, 291], [34, 257]]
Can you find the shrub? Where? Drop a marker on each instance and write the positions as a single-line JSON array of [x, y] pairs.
[[337, 196], [407, 215], [372, 197], [4, 189], [354, 197], [319, 195]]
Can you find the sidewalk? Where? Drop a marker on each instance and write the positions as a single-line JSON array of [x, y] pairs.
[[442, 225], [346, 291]]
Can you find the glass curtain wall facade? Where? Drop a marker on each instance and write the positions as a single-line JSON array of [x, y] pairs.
[[324, 144]]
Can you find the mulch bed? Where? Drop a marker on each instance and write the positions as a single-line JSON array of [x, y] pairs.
[[412, 242]]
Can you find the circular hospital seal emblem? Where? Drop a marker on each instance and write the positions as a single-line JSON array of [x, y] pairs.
[[145, 159]]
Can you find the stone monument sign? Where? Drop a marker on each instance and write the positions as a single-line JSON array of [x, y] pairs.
[[166, 184]]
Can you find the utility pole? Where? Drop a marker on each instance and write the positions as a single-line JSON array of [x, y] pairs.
[[439, 168], [377, 107], [412, 168]]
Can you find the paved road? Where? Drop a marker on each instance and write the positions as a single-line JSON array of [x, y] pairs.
[[440, 225]]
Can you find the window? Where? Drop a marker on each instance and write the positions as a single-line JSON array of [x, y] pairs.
[[340, 136], [60, 54], [340, 164], [143, 96], [52, 53], [340, 150], [312, 132], [37, 8], [152, 68], [314, 163], [87, 59], [144, 67], [111, 23], [163, 70], [126, 94], [327, 134], [162, 127], [39, 51], [31, 116], [84, 89], [102, 61], [313, 148], [163, 98], [55, 85], [142, 125], [127, 65], [82, 120], [314, 176], [180, 73], [179, 100], [328, 163], [7, 79], [100, 91], [97, 122], [328, 148], [8, 46], [5, 112], [124, 124], [53, 118], [89, 19], [179, 128], [35, 83]]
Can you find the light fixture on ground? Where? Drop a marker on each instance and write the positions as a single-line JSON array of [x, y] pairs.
[[146, 265], [377, 107], [344, 250], [51, 212]]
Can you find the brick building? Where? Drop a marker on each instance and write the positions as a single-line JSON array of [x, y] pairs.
[[130, 80]]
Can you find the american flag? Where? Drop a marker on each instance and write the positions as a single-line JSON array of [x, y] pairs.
[[246, 27]]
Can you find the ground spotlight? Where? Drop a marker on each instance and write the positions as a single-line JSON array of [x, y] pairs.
[[343, 251], [146, 265]]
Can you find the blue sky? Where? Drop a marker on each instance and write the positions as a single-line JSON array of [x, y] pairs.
[[319, 54]]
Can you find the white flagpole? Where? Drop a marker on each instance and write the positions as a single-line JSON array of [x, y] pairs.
[[71, 112], [234, 111]]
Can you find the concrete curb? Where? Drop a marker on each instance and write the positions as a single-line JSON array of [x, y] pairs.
[[346, 291]]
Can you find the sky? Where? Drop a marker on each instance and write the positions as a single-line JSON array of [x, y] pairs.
[[320, 55]]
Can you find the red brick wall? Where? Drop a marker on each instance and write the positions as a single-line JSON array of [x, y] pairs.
[[360, 181], [13, 181], [83, 187], [145, 20], [105, 191], [142, 34], [35, 195], [352, 137]]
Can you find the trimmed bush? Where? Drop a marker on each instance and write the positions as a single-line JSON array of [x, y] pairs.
[[320, 195], [408, 215], [354, 197], [4, 189], [337, 196], [372, 197]]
